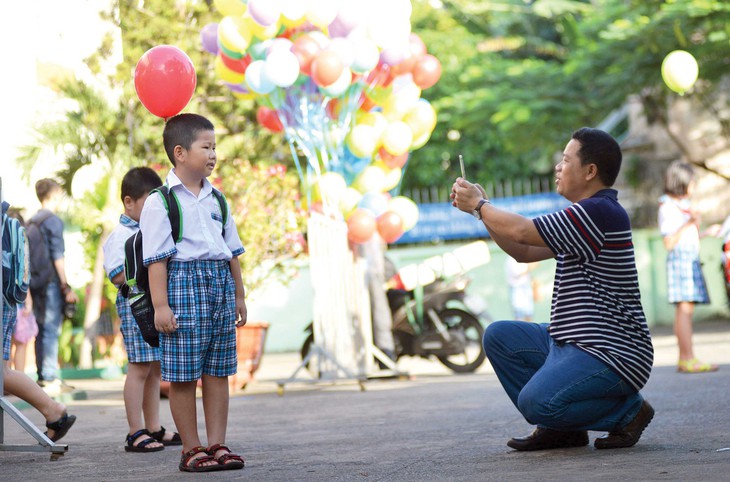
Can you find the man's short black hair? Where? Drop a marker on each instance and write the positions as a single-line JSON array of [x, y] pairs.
[[182, 130], [599, 148], [139, 181]]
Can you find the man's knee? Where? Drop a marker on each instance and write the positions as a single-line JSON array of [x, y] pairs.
[[494, 336]]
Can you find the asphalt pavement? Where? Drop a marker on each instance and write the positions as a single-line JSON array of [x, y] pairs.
[[432, 426]]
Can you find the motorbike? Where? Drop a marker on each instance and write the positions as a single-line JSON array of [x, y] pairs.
[[433, 321]]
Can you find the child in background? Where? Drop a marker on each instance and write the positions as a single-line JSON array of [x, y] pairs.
[[521, 292], [679, 226], [142, 385], [197, 292]]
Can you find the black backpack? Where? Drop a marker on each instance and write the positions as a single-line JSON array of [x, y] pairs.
[[136, 286], [41, 264]]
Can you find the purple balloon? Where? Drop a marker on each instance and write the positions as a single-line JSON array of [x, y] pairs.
[[209, 38]]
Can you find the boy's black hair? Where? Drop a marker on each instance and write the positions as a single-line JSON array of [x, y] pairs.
[[599, 148], [182, 130], [45, 187], [678, 177], [139, 181]]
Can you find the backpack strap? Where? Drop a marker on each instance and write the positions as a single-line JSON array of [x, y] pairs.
[[172, 205], [224, 208]]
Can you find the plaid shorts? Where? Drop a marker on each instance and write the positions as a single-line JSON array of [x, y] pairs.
[[10, 313], [202, 295], [138, 351], [685, 281]]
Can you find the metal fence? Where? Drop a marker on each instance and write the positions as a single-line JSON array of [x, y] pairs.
[[509, 188]]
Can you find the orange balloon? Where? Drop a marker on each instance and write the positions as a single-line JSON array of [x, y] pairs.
[[326, 68], [361, 225], [390, 226], [393, 161], [305, 48], [427, 71]]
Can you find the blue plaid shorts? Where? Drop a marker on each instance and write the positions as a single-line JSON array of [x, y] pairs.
[[138, 351], [685, 281], [202, 295], [10, 314]]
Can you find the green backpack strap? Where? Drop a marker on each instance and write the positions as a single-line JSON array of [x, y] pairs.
[[224, 208], [172, 205]]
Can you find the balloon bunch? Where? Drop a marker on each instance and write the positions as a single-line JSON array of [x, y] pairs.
[[342, 80]]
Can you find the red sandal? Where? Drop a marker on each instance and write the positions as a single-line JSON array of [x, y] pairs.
[[228, 460], [190, 464]]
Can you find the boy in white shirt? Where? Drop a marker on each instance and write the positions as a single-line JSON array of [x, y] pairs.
[[197, 292], [142, 385]]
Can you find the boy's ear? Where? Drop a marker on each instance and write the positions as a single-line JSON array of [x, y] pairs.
[[128, 202], [178, 152]]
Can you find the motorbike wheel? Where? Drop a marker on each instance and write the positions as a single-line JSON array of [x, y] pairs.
[[460, 321]]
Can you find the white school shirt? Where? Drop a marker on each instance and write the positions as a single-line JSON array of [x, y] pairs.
[[114, 245], [201, 220]]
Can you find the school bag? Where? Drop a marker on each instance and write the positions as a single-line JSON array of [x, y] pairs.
[[136, 286], [41, 265], [15, 265]]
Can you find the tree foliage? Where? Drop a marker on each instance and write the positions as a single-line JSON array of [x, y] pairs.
[[520, 76]]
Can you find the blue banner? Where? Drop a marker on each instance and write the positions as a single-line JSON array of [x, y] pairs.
[[442, 221]]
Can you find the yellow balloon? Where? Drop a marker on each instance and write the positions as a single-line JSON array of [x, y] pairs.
[[392, 177], [372, 178], [259, 31], [421, 118], [350, 199], [230, 7], [406, 209], [397, 138], [679, 71], [379, 94], [362, 140], [420, 141], [226, 74], [234, 34], [374, 119], [331, 187]]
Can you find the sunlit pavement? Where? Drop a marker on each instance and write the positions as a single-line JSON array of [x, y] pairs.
[[432, 426]]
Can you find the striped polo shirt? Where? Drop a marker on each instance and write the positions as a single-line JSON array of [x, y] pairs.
[[596, 302]]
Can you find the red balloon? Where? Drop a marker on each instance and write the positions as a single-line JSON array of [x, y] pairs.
[[236, 65], [427, 71], [416, 50], [305, 48], [326, 68], [165, 80], [390, 226], [393, 161], [360, 225], [269, 119]]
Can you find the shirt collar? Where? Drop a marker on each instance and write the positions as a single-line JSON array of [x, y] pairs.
[[125, 220], [609, 193], [172, 180]]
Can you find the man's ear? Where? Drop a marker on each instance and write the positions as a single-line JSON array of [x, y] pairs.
[[592, 172]]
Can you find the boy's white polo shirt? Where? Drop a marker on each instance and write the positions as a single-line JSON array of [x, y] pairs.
[[201, 221]]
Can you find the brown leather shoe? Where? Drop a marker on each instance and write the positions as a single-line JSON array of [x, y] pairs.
[[546, 438], [630, 434]]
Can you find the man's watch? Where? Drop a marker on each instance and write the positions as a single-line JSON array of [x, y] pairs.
[[478, 211]]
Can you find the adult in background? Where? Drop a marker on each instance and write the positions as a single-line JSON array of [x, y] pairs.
[[50, 298], [583, 370]]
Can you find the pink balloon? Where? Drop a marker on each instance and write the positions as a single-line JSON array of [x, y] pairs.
[[165, 80], [427, 71]]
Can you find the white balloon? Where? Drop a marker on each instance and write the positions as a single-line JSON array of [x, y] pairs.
[[256, 78], [294, 9], [339, 86], [281, 67], [322, 12], [365, 56]]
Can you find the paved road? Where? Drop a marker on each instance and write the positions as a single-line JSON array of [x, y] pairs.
[[434, 427]]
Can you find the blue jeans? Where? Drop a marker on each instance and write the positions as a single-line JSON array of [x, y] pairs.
[[557, 386], [49, 314]]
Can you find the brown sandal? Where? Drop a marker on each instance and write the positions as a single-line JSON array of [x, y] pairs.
[[190, 464], [228, 460]]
